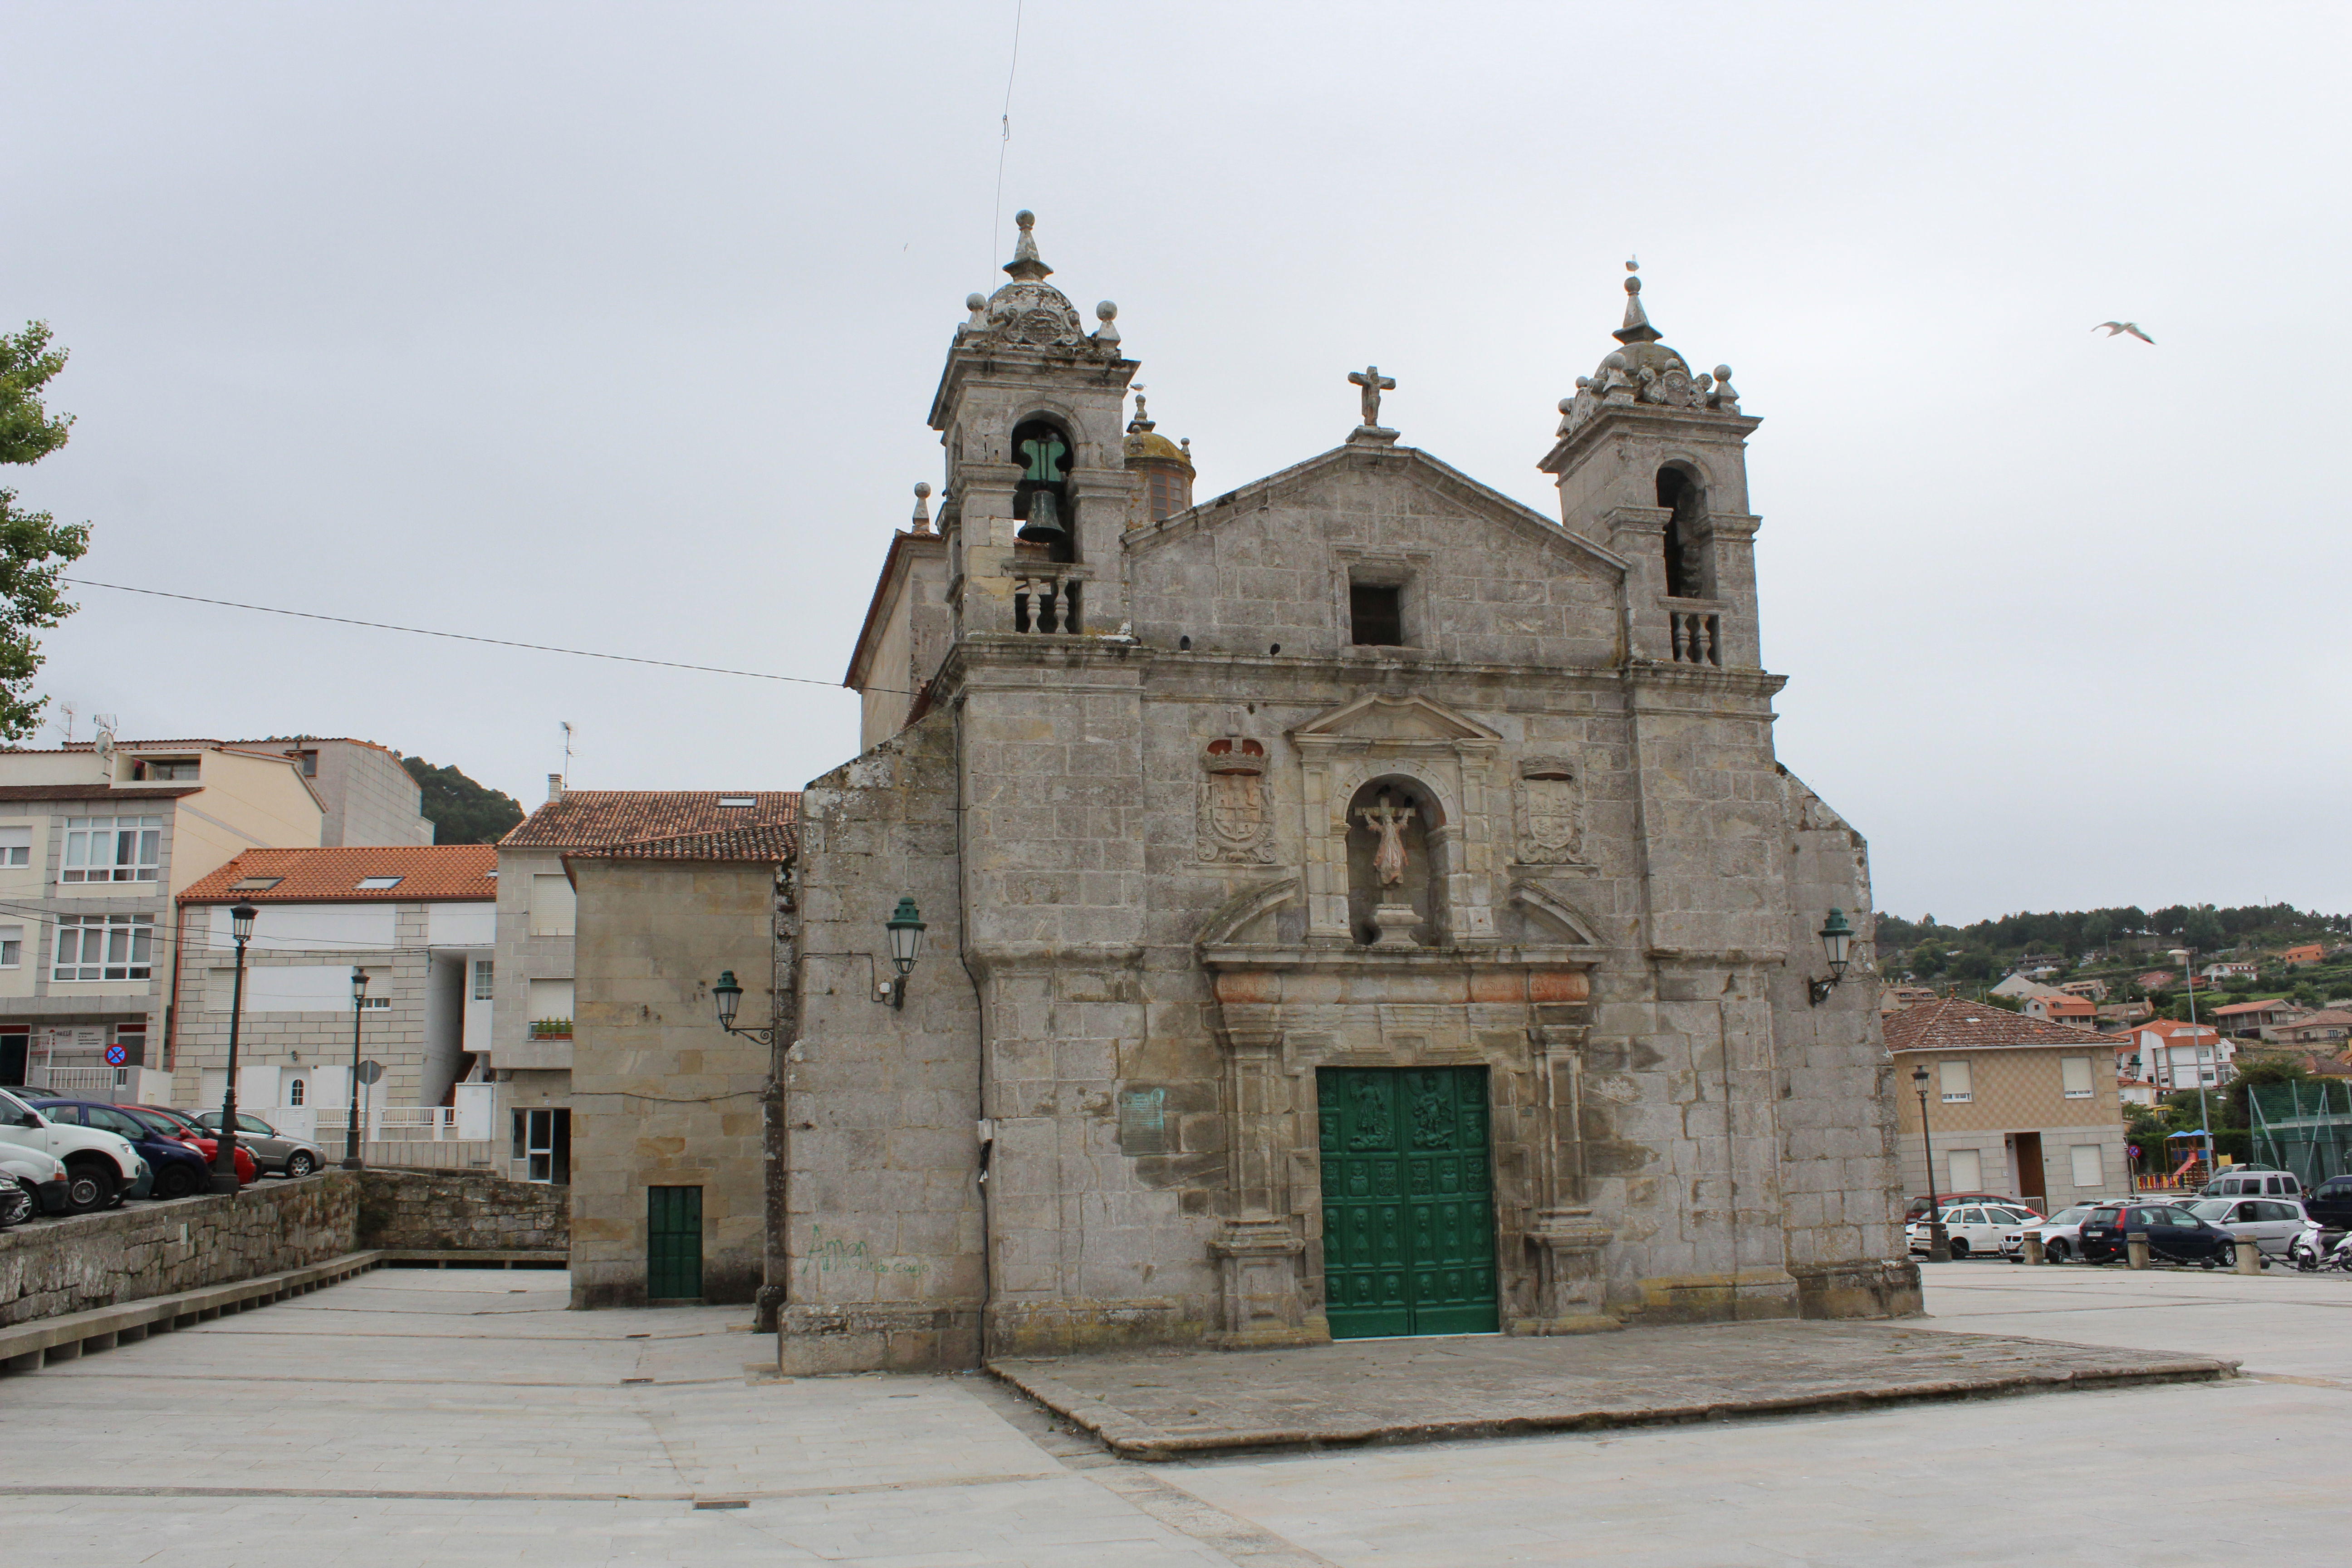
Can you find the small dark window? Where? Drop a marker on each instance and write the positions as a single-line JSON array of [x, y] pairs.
[[309, 761], [1376, 613]]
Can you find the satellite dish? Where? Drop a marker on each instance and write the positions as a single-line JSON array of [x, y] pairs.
[[370, 1071]]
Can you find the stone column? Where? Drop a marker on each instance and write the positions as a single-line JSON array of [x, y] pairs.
[[1259, 1249]]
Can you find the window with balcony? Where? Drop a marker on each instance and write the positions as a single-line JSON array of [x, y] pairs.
[[104, 947], [112, 849]]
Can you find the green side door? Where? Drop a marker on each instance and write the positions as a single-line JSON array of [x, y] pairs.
[[673, 1244], [1408, 1202]]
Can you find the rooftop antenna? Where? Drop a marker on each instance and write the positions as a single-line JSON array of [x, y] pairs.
[[567, 749], [68, 710]]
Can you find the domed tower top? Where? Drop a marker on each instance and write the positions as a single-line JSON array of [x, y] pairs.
[[1165, 468]]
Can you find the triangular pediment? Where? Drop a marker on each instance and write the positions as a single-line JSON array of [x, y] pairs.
[[1406, 721]]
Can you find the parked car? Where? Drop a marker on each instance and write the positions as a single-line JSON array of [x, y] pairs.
[[42, 1176], [1919, 1205], [180, 1124], [102, 1168], [2330, 1203], [180, 1169], [1972, 1227], [2274, 1223], [16, 1203], [2238, 1181], [2061, 1234], [2174, 1235], [275, 1151]]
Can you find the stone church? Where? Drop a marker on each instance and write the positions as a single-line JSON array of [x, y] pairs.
[[1356, 903]]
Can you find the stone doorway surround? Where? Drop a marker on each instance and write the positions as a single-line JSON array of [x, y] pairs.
[[1521, 1012]]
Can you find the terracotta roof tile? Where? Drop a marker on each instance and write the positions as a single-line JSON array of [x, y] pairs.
[[2244, 1008], [427, 873], [1954, 1025], [597, 819], [775, 842]]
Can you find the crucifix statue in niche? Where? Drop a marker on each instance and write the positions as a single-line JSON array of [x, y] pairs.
[[1393, 917], [1388, 821]]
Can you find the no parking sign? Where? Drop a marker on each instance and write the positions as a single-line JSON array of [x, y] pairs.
[[116, 1056]]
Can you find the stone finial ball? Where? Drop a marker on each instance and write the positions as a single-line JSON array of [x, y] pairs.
[[922, 490], [1024, 218], [1723, 373], [1565, 404], [1107, 310], [975, 301], [1632, 284]]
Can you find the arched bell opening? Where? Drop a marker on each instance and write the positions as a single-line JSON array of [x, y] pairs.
[[1040, 499], [1688, 568], [1396, 836]]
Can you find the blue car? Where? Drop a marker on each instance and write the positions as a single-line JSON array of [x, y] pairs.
[[178, 1169]]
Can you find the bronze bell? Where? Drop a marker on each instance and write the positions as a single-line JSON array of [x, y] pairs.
[[1045, 524]]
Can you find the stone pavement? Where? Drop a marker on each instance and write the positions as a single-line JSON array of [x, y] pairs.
[[1160, 1404], [462, 1417]]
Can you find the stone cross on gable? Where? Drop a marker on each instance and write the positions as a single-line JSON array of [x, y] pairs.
[[1373, 383]]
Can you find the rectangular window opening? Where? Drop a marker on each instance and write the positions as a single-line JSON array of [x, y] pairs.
[[1376, 614], [485, 973]]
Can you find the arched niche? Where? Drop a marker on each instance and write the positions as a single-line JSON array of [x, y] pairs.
[[1682, 491], [1420, 822], [1044, 449]]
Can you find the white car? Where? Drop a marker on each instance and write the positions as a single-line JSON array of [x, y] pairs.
[[42, 1176], [2274, 1223], [1972, 1228], [2061, 1233], [102, 1168]]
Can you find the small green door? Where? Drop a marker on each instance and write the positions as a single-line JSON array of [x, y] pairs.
[[673, 1244], [1408, 1202]]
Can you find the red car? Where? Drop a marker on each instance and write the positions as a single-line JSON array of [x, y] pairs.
[[1919, 1205], [172, 1124]]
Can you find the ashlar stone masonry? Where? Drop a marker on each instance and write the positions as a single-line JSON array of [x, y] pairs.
[[1358, 904]]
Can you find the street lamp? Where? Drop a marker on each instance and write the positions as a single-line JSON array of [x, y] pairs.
[[240, 926], [905, 928], [351, 1126], [2204, 1116], [1940, 1244], [1837, 941]]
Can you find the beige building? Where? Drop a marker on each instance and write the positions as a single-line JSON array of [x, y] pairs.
[[368, 796], [535, 967], [96, 842], [2014, 1105], [671, 1117]]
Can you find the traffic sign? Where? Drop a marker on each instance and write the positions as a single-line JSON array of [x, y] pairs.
[[116, 1056], [370, 1071]]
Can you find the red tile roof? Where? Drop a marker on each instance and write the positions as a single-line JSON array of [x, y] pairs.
[[774, 842], [428, 873], [1954, 1025], [2244, 1008], [599, 818]]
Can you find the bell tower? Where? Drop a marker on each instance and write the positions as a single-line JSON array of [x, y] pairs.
[[1031, 409], [1653, 464]]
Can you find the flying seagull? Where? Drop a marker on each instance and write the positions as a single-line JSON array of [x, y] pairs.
[[2113, 328]]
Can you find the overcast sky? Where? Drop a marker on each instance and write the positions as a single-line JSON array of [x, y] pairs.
[[615, 327]]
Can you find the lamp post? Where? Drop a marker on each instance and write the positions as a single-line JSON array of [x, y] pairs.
[[906, 930], [351, 1126], [1837, 941], [1940, 1245], [241, 925], [2204, 1116]]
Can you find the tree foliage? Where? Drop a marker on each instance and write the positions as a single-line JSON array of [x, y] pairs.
[[35, 548], [461, 811]]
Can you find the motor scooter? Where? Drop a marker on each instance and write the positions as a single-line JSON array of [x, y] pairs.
[[2309, 1251]]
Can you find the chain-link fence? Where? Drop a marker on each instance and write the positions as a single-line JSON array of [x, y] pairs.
[[2305, 1128]]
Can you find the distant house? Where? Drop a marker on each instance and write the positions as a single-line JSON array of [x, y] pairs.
[[2020, 987], [2247, 1020], [2090, 990], [2079, 1012], [2309, 952], [2135, 1091], [2175, 1055], [2323, 1027], [2015, 1105], [2154, 980], [1893, 999], [2223, 973]]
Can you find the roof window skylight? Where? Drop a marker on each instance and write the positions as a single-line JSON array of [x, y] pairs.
[[377, 883]]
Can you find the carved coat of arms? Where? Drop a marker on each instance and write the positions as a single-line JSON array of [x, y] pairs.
[[1551, 812], [1236, 822]]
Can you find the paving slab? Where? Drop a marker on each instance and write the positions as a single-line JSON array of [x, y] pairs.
[[1166, 1405]]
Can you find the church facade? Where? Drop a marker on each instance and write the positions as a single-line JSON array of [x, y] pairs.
[[1356, 903]]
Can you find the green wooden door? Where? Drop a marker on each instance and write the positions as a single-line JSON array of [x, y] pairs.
[[673, 1244], [1408, 1202]]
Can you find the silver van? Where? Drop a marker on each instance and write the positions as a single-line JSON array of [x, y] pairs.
[[2233, 1182]]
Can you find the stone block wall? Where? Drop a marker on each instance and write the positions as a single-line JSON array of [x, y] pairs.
[[462, 1211], [154, 1249]]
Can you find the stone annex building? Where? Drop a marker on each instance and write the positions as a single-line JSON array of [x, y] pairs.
[[1358, 904]]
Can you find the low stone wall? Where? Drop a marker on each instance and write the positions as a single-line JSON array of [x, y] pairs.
[[462, 1211], [1882, 1288], [125, 1254]]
